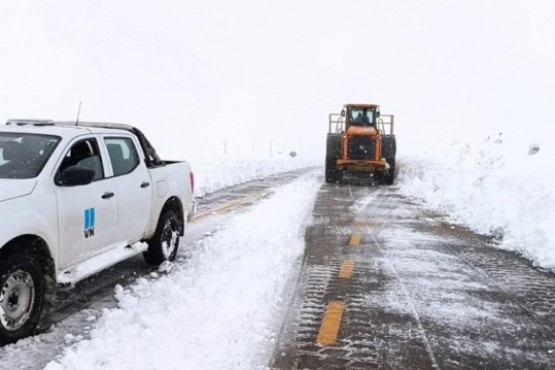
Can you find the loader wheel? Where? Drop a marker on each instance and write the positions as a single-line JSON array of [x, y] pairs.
[[332, 174], [389, 146], [389, 176], [333, 153]]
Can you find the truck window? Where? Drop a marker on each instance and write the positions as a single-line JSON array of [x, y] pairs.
[[22, 156], [85, 154], [123, 156]]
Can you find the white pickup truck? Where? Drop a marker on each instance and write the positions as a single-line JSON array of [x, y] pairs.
[[76, 199]]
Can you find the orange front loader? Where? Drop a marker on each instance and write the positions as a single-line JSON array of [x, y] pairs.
[[360, 141]]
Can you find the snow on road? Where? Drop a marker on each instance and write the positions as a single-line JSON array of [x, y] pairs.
[[212, 174], [221, 309], [498, 184]]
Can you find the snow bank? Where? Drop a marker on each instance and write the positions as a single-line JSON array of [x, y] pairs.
[[499, 184], [221, 309], [215, 174]]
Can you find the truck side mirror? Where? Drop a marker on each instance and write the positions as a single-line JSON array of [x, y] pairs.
[[378, 113], [343, 113], [76, 175]]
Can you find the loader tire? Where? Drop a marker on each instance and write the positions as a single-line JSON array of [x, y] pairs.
[[389, 147], [333, 153], [389, 175], [332, 174]]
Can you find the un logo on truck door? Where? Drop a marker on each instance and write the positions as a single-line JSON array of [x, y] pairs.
[[89, 222]]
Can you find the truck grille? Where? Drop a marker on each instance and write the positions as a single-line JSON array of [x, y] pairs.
[[361, 147]]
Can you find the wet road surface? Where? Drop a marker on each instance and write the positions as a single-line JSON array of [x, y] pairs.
[[388, 285]]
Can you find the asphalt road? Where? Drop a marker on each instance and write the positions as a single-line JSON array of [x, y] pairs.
[[386, 284]]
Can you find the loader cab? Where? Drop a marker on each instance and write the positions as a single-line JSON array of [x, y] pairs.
[[362, 115]]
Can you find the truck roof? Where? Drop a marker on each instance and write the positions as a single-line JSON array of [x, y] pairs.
[[62, 128], [72, 129]]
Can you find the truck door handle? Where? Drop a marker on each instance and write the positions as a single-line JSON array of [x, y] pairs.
[[107, 195], [145, 184]]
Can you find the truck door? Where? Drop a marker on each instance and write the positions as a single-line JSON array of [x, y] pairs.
[[133, 188], [86, 213]]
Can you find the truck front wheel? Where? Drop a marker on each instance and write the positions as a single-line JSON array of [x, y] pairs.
[[21, 297], [163, 246]]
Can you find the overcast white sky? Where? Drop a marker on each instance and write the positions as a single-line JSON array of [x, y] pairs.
[[244, 71]]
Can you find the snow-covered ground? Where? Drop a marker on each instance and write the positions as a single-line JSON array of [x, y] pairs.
[[499, 184], [215, 174], [197, 79], [221, 308], [228, 293]]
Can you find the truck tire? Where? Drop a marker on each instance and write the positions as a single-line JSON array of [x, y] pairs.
[[389, 175], [165, 242], [22, 290], [333, 153]]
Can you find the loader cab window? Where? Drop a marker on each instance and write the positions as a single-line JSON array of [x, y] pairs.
[[362, 117]]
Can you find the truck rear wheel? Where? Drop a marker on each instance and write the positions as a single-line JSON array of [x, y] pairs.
[[165, 242], [21, 297]]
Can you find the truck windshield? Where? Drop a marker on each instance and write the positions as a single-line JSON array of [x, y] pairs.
[[22, 155]]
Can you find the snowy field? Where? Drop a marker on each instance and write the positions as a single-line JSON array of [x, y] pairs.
[[499, 184]]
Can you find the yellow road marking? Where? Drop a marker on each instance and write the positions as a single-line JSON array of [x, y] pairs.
[[355, 239], [347, 269], [231, 205], [329, 329]]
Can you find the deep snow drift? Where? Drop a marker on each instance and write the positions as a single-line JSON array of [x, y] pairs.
[[499, 184]]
